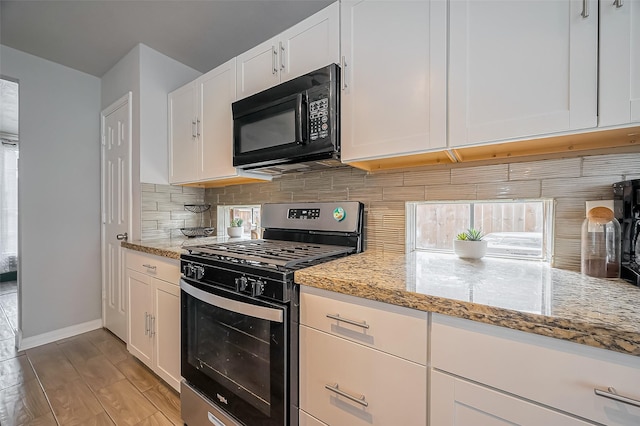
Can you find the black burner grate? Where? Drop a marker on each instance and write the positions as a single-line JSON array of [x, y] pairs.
[[275, 252]]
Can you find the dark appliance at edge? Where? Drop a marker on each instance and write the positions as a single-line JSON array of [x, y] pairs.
[[626, 196], [292, 126], [239, 313]]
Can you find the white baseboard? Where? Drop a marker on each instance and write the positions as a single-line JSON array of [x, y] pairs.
[[52, 336]]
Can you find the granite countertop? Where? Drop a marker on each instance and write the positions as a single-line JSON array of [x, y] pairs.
[[173, 247], [522, 295]]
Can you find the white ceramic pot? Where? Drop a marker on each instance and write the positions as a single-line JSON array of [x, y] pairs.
[[470, 249], [234, 231]]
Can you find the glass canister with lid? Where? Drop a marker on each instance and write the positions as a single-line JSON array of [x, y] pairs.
[[600, 241]]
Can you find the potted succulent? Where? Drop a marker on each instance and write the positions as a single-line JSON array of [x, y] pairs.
[[469, 244], [235, 228]]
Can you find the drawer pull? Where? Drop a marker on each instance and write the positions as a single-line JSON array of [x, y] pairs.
[[146, 265], [612, 394], [337, 317], [340, 392]]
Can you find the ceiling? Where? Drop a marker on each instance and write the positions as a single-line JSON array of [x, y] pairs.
[[92, 35]]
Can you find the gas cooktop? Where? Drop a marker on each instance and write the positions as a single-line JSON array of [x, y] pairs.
[[285, 254]]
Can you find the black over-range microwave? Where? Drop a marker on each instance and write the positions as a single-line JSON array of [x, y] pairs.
[[292, 126]]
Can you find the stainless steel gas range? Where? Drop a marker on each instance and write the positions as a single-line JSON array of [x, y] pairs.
[[239, 318]]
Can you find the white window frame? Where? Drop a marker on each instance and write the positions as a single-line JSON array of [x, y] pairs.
[[547, 234], [223, 216]]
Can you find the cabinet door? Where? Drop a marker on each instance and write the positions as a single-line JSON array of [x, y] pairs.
[[521, 68], [458, 402], [384, 389], [166, 331], [307, 420], [311, 44], [258, 68], [140, 313], [217, 90], [394, 80], [183, 138], [619, 91]]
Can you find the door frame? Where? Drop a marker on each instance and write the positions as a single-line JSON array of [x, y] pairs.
[[128, 101]]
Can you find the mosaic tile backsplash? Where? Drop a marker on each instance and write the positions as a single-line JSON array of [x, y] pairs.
[[570, 181]]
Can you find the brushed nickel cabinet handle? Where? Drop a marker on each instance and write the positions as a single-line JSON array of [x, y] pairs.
[[617, 3], [146, 324], [358, 400], [274, 60], [148, 266], [282, 53], [198, 126], [337, 317], [122, 237], [193, 129], [343, 72], [152, 325], [612, 394], [585, 9]]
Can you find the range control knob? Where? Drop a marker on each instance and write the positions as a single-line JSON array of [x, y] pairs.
[[257, 288], [241, 283], [187, 270], [199, 272]]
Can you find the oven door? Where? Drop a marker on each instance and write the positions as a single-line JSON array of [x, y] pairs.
[[234, 352]]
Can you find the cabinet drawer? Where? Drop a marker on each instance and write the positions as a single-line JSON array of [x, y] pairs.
[[392, 329], [394, 389], [458, 402], [307, 420], [553, 372], [155, 266]]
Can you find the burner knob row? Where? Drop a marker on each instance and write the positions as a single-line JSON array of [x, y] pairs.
[[257, 286], [193, 271]]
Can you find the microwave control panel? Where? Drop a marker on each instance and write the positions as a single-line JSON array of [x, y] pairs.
[[319, 119]]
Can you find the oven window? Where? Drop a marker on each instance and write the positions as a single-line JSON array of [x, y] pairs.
[[233, 350], [274, 130]]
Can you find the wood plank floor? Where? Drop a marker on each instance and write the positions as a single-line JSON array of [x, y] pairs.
[[89, 379]]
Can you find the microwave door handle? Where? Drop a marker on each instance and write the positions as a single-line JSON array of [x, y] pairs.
[[299, 129]]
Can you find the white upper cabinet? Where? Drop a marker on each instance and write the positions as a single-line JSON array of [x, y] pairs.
[[394, 77], [216, 92], [183, 139], [201, 129], [521, 68], [307, 46], [619, 92]]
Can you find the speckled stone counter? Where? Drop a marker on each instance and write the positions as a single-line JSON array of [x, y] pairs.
[[526, 296], [173, 247]]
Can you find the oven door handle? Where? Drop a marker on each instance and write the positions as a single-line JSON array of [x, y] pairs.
[[261, 312]]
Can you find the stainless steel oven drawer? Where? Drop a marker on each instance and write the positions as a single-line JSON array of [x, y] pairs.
[[197, 410]]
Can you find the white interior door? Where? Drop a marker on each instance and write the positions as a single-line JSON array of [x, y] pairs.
[[116, 213]]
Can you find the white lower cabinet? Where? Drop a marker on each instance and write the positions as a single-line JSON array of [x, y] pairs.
[[307, 420], [457, 402], [485, 375], [154, 314], [345, 379]]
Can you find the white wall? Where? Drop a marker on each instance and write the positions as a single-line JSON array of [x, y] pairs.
[[150, 76], [122, 78], [59, 194], [159, 75]]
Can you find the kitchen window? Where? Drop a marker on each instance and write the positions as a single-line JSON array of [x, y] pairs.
[[250, 215], [513, 228]]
